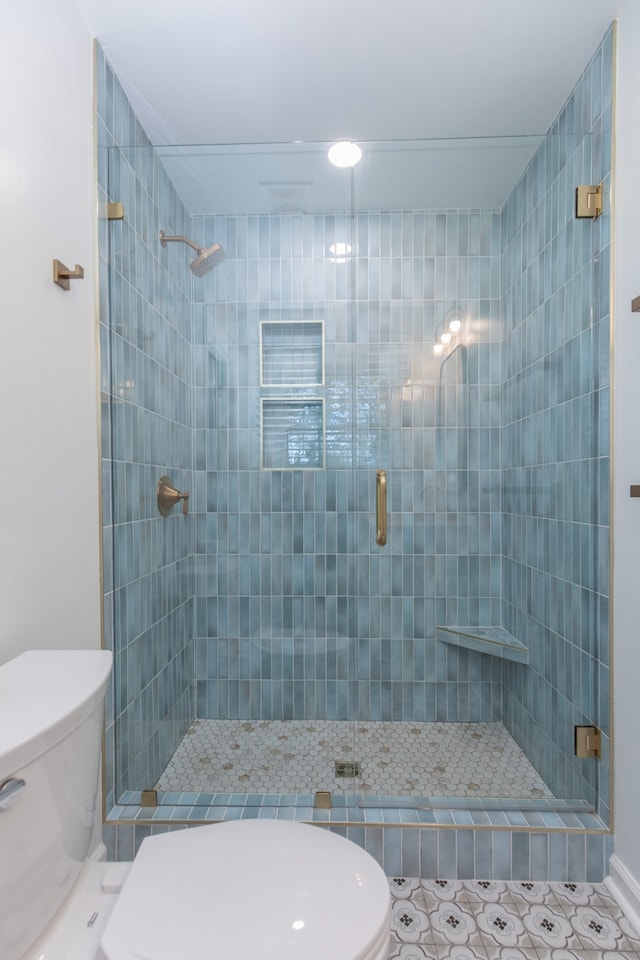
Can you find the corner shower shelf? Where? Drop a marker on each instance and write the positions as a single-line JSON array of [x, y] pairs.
[[492, 640]]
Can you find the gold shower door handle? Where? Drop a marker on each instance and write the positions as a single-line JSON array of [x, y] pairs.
[[381, 508]]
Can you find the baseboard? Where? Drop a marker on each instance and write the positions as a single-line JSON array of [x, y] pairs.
[[625, 889]]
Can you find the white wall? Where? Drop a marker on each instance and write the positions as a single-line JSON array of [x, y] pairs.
[[49, 520], [626, 556]]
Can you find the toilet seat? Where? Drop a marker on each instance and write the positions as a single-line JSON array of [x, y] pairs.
[[251, 888]]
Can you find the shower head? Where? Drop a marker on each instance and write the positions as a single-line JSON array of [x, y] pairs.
[[207, 259]]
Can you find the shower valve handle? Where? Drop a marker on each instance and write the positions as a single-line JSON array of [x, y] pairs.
[[168, 496]]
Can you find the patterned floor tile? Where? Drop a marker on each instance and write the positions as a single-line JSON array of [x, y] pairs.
[[529, 892], [409, 922], [632, 936], [511, 953], [403, 888], [489, 920], [585, 955], [453, 924], [441, 890], [602, 928], [549, 927], [548, 954], [582, 894], [412, 951], [501, 925], [597, 930], [485, 891], [446, 952]]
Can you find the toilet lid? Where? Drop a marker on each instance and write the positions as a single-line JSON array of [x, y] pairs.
[[250, 888]]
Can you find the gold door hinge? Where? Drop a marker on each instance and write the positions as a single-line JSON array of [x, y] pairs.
[[149, 798], [112, 211], [587, 742], [589, 200], [322, 800]]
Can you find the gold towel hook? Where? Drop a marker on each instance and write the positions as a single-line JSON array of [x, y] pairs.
[[62, 275]]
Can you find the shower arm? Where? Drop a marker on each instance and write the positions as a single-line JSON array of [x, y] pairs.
[[164, 240]]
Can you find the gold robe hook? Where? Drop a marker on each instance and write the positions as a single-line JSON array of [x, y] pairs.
[[62, 275]]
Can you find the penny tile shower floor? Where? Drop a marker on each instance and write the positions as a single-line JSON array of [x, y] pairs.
[[396, 759], [476, 920]]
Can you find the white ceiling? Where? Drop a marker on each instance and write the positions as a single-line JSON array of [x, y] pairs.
[[268, 71], [398, 175]]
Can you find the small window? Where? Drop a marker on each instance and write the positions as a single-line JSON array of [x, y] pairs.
[[292, 434]]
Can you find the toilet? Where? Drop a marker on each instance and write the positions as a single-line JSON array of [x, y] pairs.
[[251, 888]]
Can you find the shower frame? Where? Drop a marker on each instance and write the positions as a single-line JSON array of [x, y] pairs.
[[133, 479]]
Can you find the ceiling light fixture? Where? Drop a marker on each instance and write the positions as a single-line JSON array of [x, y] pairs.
[[340, 251], [344, 153]]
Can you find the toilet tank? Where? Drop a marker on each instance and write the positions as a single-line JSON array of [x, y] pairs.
[[51, 715]]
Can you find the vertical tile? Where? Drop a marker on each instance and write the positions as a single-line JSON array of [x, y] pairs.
[[539, 856], [392, 851], [411, 854], [596, 860], [447, 866], [501, 855], [483, 854], [520, 856], [576, 857], [428, 854], [374, 844], [465, 866]]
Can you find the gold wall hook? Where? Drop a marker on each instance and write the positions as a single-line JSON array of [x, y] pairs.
[[168, 496], [62, 275]]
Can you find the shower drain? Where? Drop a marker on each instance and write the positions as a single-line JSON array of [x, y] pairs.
[[347, 768]]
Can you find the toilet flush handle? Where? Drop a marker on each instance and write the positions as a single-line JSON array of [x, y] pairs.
[[10, 790]]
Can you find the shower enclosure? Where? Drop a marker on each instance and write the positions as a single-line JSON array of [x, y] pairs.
[[420, 342]]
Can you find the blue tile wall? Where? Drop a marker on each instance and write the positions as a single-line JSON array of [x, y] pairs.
[[555, 444], [300, 614], [147, 431], [435, 852]]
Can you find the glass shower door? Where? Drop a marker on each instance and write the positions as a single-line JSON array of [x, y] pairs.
[[362, 321], [477, 337], [234, 623]]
